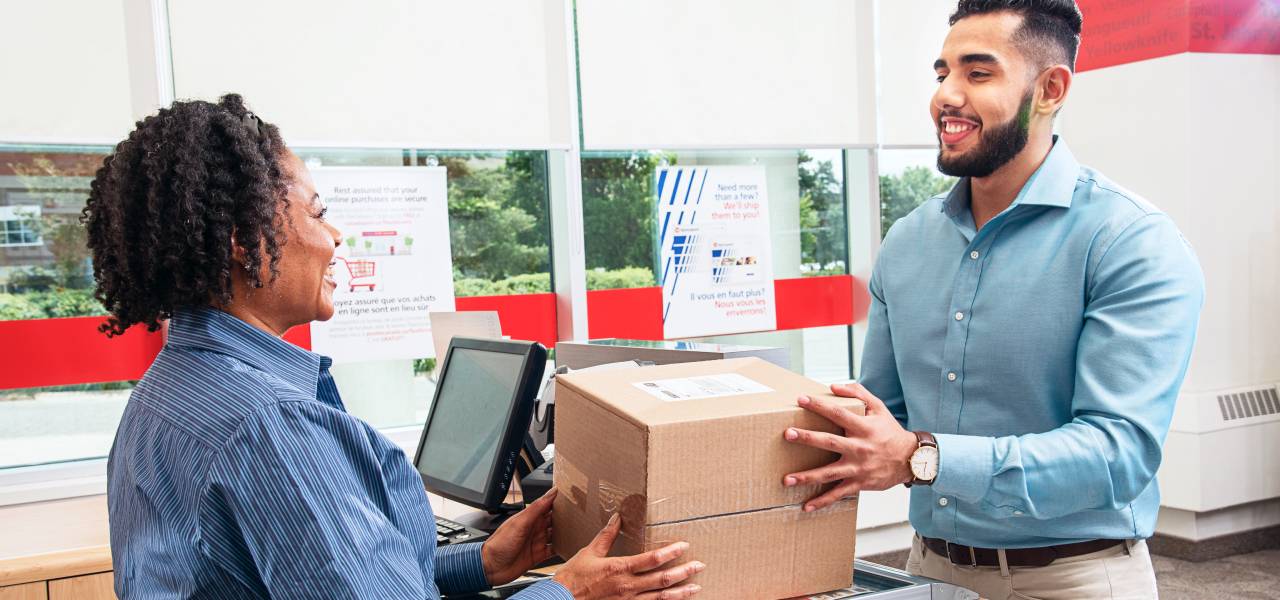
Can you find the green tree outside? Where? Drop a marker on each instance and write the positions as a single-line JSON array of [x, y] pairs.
[[901, 194]]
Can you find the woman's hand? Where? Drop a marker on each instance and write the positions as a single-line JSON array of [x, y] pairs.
[[520, 543], [592, 575]]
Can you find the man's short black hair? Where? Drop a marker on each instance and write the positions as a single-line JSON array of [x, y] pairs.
[[1050, 31]]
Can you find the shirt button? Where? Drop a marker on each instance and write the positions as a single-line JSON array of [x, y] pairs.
[[974, 255], [959, 316], [942, 501], [1017, 513], [951, 376]]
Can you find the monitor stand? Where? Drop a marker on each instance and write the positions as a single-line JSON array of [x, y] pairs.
[[484, 521]]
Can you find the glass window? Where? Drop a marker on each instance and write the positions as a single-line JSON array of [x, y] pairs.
[[500, 241], [907, 179], [45, 273], [808, 222]]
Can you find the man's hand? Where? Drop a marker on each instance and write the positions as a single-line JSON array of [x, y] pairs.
[[520, 543], [591, 574], [875, 452]]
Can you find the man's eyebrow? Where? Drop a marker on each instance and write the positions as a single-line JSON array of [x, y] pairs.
[[968, 59], [979, 58]]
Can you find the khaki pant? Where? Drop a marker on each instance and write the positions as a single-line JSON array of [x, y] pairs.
[[1123, 571]]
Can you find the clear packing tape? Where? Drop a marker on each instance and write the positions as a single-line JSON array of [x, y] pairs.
[[610, 498]]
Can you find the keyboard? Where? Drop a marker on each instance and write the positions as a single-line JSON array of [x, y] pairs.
[[451, 532]]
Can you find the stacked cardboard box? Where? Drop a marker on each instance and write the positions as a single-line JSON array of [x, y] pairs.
[[694, 452]]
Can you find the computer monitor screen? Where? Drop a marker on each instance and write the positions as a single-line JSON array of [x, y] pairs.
[[473, 404], [479, 417]]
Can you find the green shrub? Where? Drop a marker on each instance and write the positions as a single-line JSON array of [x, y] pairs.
[[627, 277], [528, 283], [69, 303], [540, 283], [472, 286], [49, 304], [19, 306]]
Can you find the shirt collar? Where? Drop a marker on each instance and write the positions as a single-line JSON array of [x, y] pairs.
[[214, 330], [1053, 184]]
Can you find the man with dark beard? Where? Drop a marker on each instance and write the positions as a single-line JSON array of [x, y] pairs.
[[1028, 335]]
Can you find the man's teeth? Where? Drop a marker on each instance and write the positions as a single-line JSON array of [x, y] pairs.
[[954, 127]]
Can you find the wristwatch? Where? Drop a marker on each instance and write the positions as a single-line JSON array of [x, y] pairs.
[[924, 461]]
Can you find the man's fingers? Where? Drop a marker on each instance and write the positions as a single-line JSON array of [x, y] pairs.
[[824, 474], [604, 540], [856, 390], [656, 558], [679, 593], [661, 580], [817, 439], [836, 414], [831, 496]]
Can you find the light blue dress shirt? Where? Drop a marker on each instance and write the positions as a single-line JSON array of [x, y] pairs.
[[238, 473], [1045, 352]]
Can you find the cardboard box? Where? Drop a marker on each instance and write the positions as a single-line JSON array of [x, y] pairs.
[[580, 355], [695, 452]]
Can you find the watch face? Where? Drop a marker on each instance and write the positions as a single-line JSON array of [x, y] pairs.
[[924, 463]]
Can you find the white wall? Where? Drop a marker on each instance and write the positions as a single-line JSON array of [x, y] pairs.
[[1199, 136], [748, 73], [910, 39], [410, 73], [66, 72]]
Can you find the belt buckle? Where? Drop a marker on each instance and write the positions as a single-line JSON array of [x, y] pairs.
[[953, 552]]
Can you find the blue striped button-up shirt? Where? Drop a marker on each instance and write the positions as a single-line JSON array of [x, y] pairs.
[[1045, 352], [237, 473]]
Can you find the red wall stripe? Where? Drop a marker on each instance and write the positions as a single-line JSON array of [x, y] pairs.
[[634, 313], [1235, 26], [818, 301], [70, 351], [1116, 33], [529, 317], [802, 302], [48, 352]]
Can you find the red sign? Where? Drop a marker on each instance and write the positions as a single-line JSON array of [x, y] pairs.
[[1118, 32]]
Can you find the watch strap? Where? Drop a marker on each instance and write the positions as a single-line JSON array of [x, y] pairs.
[[923, 439]]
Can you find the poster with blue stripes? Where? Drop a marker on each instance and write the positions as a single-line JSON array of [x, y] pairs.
[[716, 255]]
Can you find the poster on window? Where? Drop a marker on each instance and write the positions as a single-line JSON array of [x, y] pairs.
[[393, 265], [715, 262]]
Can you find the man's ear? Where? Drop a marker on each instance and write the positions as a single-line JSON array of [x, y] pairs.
[[1052, 86]]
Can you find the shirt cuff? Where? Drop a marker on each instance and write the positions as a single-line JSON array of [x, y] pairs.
[[964, 466], [460, 570], [544, 590]]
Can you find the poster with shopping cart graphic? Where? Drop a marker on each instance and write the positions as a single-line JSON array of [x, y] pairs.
[[393, 265], [715, 260]]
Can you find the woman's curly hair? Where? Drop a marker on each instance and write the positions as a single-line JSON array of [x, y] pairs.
[[166, 203]]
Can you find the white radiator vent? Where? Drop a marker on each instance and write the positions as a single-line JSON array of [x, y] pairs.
[[1252, 403]]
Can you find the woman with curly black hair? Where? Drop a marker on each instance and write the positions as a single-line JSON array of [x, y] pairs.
[[236, 471]]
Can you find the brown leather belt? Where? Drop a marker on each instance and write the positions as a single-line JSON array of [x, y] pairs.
[[1019, 557]]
